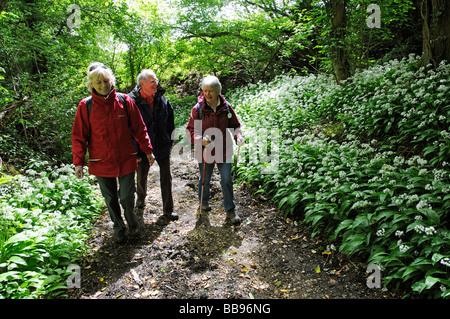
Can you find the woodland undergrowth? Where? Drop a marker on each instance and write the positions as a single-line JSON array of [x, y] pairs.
[[364, 164], [45, 217]]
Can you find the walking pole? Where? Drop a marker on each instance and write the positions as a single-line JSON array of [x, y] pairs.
[[235, 163], [203, 181], [203, 178]]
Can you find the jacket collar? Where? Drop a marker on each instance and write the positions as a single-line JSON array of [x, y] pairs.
[[201, 99], [110, 97], [160, 91], [149, 99]]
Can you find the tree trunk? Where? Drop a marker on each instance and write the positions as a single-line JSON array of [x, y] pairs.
[[131, 60], [436, 31], [3, 5], [338, 53]]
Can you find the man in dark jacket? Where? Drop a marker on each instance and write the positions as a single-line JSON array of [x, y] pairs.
[[157, 114]]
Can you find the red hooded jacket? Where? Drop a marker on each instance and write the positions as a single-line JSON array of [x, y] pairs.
[[215, 125], [106, 134]]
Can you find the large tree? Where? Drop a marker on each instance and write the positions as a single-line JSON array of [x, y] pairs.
[[3, 4], [436, 31], [338, 36]]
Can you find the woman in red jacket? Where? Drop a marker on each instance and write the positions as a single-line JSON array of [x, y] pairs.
[[103, 125], [211, 120]]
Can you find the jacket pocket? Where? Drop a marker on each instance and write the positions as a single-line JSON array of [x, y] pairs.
[[97, 156]]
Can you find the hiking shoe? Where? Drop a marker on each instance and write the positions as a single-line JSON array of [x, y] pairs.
[[204, 207], [171, 215], [233, 217], [119, 237], [134, 232], [140, 203]]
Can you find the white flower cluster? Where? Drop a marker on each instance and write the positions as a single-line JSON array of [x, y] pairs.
[[445, 261], [403, 247], [338, 168], [50, 188], [381, 232], [426, 230]]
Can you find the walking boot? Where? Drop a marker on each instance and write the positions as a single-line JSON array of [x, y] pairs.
[[233, 217], [171, 215], [140, 202], [119, 237], [204, 207], [134, 232]]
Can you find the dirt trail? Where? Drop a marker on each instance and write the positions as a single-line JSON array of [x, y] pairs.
[[266, 257]]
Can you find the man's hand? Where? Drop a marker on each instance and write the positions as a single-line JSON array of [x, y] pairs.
[[151, 159], [79, 172]]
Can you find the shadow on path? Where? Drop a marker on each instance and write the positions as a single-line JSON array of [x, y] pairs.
[[111, 260], [205, 242]]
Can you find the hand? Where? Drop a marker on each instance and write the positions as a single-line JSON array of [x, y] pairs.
[[206, 140], [151, 159], [79, 172], [240, 141]]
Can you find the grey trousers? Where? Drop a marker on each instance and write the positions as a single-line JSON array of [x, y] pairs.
[[124, 195]]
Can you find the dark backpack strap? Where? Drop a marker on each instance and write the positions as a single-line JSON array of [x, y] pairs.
[[89, 105], [125, 106], [121, 98], [89, 109], [199, 111], [123, 101], [229, 115]]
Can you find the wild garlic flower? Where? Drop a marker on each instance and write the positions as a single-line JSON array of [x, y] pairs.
[[381, 232], [399, 233], [427, 230], [445, 261], [403, 248]]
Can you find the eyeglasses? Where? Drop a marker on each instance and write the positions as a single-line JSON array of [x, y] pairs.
[[92, 68]]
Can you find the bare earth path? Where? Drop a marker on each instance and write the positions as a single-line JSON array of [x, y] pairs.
[[266, 257]]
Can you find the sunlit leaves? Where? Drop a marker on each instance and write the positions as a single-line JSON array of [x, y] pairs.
[[43, 217], [350, 177]]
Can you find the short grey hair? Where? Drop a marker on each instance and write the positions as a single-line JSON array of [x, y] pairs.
[[97, 69], [143, 76], [213, 82]]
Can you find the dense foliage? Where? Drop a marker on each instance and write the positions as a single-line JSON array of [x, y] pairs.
[[363, 160], [365, 164], [45, 216], [45, 48]]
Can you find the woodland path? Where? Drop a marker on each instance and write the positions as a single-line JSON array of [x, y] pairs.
[[266, 257]]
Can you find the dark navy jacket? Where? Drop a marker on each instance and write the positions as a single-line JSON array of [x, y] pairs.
[[160, 124]]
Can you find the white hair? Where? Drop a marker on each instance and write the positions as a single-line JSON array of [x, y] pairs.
[[213, 82], [143, 76], [97, 70]]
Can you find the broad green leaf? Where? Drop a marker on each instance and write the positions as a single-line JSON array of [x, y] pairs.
[[436, 258], [424, 284], [17, 260]]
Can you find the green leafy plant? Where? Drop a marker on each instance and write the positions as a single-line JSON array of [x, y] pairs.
[[364, 164], [44, 228]]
